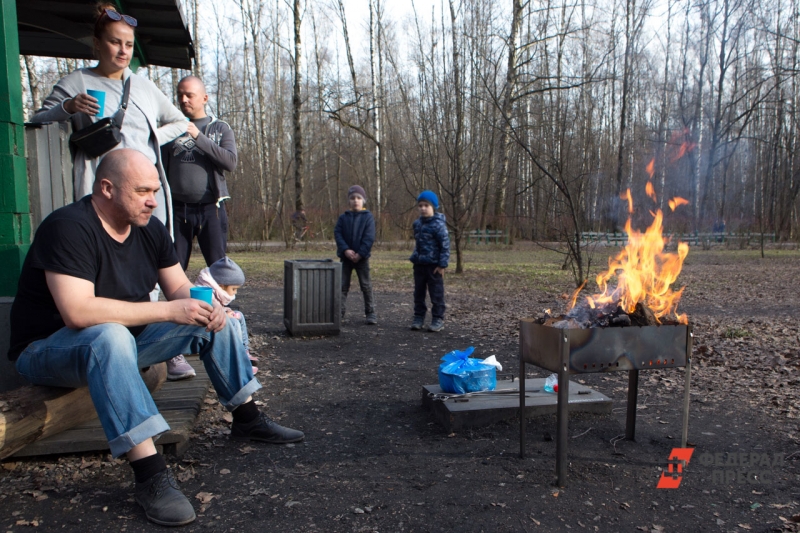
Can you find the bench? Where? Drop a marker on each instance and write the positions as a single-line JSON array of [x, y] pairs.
[[488, 236], [612, 238], [31, 412]]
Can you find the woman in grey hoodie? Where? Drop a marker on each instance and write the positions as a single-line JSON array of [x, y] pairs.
[[150, 119]]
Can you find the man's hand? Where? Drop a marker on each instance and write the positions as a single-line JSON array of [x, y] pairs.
[[193, 312], [356, 257], [218, 318], [351, 255], [439, 270], [192, 130]]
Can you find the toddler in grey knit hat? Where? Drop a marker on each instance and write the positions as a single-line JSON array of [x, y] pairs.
[[226, 277]]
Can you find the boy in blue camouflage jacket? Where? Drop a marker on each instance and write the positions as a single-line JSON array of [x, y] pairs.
[[430, 258]]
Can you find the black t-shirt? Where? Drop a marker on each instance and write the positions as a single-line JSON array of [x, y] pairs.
[[72, 241]]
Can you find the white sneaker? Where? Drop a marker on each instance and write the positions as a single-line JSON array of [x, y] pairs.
[[178, 368]]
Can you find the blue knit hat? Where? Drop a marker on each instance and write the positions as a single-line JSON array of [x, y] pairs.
[[430, 197], [226, 272]]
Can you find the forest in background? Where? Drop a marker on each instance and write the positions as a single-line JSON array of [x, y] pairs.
[[530, 117]]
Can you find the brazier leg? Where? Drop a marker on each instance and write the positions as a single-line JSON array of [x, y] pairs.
[[633, 394], [521, 407], [688, 378], [563, 422]]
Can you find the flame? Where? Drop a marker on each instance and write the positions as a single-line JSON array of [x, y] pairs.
[[644, 272], [627, 196], [686, 146], [651, 168], [676, 202], [574, 297], [650, 191]]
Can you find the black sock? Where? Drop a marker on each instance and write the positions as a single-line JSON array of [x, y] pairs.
[[148, 467], [245, 413]]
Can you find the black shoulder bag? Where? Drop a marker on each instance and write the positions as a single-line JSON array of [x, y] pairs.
[[105, 134]]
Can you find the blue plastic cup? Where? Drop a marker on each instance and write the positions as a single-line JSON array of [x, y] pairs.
[[202, 293], [100, 96]]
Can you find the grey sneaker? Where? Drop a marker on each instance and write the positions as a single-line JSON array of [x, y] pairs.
[[372, 319], [264, 429], [178, 368], [163, 502], [437, 324], [418, 322]]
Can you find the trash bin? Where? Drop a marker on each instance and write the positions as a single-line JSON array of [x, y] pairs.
[[312, 296]]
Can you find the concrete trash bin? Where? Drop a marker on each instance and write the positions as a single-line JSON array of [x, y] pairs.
[[312, 296]]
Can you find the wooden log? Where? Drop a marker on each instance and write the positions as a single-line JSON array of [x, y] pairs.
[[33, 412], [643, 316]]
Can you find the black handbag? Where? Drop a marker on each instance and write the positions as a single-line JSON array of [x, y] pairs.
[[103, 135]]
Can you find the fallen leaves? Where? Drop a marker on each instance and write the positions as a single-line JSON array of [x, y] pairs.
[[205, 499]]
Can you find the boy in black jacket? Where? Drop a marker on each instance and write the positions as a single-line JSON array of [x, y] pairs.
[[355, 233]]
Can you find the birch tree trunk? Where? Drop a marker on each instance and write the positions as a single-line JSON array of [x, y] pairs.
[[297, 107], [374, 52], [507, 105]]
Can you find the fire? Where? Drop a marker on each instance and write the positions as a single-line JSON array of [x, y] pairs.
[[651, 169], [644, 271], [676, 202], [651, 192]]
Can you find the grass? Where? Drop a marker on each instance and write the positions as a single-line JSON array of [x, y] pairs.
[[736, 333], [521, 267], [492, 267]]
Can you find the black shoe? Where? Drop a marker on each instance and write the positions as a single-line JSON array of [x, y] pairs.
[[163, 502], [437, 324], [418, 323], [263, 429], [372, 319]]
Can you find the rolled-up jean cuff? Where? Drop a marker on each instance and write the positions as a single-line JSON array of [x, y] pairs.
[[244, 393], [152, 427]]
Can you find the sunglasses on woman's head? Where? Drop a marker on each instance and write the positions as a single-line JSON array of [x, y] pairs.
[[129, 20]]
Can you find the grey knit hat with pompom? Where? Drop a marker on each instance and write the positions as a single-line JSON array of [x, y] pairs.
[[226, 272]]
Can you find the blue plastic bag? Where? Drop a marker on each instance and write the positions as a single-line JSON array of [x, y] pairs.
[[459, 373]]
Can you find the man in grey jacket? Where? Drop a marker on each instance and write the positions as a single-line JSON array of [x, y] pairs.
[[195, 164]]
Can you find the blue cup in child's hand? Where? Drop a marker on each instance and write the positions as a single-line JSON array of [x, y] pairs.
[[202, 293]]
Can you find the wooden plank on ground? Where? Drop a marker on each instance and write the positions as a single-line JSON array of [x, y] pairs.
[[180, 410], [481, 411]]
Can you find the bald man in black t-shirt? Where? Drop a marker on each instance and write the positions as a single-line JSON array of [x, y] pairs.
[[83, 317]]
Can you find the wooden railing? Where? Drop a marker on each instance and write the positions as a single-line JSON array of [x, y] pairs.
[[696, 239]]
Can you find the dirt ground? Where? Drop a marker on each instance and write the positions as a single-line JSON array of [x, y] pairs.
[[374, 460]]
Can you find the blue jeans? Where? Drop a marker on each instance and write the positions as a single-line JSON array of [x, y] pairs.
[[238, 321], [107, 358]]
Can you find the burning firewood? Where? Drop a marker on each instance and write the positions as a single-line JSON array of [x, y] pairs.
[[643, 274]]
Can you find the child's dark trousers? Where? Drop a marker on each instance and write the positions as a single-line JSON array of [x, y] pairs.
[[362, 271], [426, 280]]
